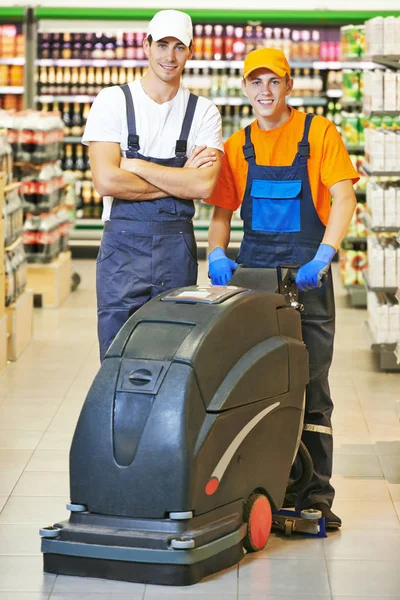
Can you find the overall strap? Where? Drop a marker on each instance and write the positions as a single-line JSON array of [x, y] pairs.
[[133, 138], [181, 143], [248, 148], [303, 147]]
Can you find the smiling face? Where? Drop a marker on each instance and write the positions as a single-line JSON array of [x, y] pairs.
[[267, 93], [167, 58]]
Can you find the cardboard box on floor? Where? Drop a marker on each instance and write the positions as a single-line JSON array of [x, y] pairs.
[[3, 342], [51, 281], [19, 324]]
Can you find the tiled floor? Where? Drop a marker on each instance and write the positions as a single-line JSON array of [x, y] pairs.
[[41, 396]]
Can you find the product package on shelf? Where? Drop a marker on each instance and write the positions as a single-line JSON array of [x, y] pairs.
[[352, 42], [381, 91], [382, 36], [383, 200], [382, 144], [45, 236], [383, 261], [383, 318]]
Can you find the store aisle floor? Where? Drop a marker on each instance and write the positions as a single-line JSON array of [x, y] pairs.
[[40, 399]]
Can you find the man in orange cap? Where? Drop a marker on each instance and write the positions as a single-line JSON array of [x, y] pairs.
[[283, 170]]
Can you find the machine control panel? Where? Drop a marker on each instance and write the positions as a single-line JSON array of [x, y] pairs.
[[204, 294]]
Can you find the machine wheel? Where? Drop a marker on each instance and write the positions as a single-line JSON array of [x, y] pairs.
[[310, 514], [288, 528], [307, 468], [258, 516]]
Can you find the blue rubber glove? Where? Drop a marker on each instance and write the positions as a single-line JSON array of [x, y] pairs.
[[220, 267], [312, 274]]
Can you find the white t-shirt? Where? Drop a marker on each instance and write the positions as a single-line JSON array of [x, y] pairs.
[[157, 125]]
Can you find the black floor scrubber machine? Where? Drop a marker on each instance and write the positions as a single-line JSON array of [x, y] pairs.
[[187, 436]]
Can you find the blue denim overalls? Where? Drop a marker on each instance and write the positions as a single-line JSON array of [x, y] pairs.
[[281, 225], [147, 246]]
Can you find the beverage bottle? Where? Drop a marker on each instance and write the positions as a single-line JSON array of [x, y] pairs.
[[88, 46], [227, 123], [218, 42], [56, 46], [208, 42], [66, 51], [66, 117], [228, 42], [287, 43], [278, 42], [42, 84], [198, 42], [44, 45], [97, 202], [248, 38], [239, 47], [109, 47], [122, 76], [85, 113], [306, 46], [98, 79], [59, 83], [130, 50], [269, 42], [79, 162], [119, 46], [87, 204], [82, 81], [77, 45], [296, 50], [67, 80], [91, 82], [114, 76], [16, 75], [107, 76], [77, 124], [139, 39], [98, 49], [52, 88], [68, 161], [4, 75], [315, 44], [74, 81]]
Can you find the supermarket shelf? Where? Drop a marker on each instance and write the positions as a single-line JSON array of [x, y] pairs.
[[384, 229], [372, 173], [221, 101], [11, 89], [19, 60], [334, 93], [355, 149], [386, 353], [353, 239], [72, 139], [391, 60], [385, 290], [348, 104], [381, 113]]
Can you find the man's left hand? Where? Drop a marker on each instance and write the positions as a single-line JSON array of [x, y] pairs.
[[312, 274]]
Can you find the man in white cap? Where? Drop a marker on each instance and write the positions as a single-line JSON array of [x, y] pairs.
[[158, 127]]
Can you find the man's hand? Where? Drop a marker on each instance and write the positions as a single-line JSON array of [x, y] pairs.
[[220, 267], [200, 158], [312, 274]]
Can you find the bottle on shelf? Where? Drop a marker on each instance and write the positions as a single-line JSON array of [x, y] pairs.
[[76, 122]]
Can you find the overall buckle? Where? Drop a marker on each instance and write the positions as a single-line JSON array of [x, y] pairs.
[[180, 148], [248, 151], [133, 141], [304, 149]]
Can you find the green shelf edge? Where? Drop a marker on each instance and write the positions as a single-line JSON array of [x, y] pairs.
[[12, 13], [322, 17]]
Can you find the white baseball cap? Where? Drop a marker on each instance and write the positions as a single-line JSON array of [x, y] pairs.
[[171, 23]]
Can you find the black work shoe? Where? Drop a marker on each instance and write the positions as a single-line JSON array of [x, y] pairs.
[[332, 521]]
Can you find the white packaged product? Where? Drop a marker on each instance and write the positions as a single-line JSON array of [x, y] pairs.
[[389, 35], [376, 89], [374, 36], [376, 263], [376, 149], [390, 206], [394, 323], [390, 267], [390, 90], [391, 163], [375, 201]]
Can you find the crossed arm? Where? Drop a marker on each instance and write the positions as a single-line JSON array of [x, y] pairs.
[[140, 180]]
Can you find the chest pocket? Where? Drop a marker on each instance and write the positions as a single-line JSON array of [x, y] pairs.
[[276, 205]]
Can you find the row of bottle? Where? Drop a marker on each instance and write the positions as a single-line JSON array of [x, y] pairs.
[[83, 80], [75, 162], [73, 114], [89, 201], [16, 272], [99, 45], [6, 156], [13, 217], [35, 136], [45, 236], [11, 41], [11, 75], [229, 42]]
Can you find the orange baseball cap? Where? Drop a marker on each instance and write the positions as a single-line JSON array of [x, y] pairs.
[[266, 58]]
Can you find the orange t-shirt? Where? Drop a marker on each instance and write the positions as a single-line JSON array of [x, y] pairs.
[[328, 164]]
